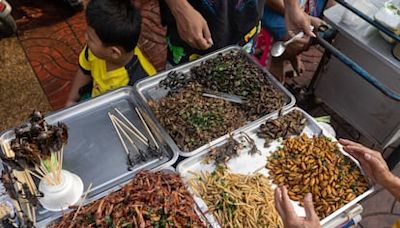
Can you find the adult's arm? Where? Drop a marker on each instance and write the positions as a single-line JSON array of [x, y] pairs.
[[296, 19], [192, 27], [276, 5], [374, 166]]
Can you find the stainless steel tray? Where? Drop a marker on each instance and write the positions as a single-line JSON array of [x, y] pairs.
[[94, 151], [247, 164], [164, 168], [149, 89]]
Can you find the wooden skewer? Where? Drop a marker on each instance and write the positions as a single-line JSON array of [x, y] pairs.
[[80, 205], [8, 151], [34, 216], [30, 182], [130, 124], [47, 176], [146, 127], [131, 131], [22, 179], [119, 134], [126, 135], [60, 154], [34, 174], [153, 127]]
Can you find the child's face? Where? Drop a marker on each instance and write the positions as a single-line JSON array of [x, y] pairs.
[[99, 49]]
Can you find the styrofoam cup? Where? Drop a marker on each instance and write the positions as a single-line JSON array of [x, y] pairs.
[[60, 197]]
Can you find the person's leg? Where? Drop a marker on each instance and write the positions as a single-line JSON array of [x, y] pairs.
[[276, 69]]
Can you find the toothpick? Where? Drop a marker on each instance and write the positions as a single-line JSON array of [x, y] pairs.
[[119, 134], [145, 141], [130, 124], [80, 205], [146, 127], [39, 171], [60, 162]]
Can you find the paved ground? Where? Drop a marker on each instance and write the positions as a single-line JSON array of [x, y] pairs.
[[52, 35]]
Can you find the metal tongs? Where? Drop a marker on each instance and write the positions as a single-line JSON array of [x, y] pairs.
[[225, 96]]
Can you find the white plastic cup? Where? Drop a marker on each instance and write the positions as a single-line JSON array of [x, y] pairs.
[[60, 197]]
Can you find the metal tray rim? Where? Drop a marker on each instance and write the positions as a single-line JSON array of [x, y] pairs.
[[371, 189], [149, 82], [7, 135]]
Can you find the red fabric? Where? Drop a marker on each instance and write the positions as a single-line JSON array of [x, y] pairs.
[[264, 43]]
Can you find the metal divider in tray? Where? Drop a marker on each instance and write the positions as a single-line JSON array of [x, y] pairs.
[[148, 89], [94, 151], [250, 164]]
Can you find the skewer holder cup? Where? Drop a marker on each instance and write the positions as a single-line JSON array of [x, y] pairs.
[[60, 197]]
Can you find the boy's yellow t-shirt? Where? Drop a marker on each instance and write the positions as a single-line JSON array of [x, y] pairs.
[[139, 67]]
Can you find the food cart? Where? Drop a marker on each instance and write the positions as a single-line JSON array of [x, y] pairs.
[[106, 135], [370, 105]]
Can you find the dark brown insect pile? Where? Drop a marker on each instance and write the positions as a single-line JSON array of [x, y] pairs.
[[232, 73], [285, 126], [316, 165], [222, 154], [193, 120], [35, 142], [175, 81], [151, 200], [230, 149]]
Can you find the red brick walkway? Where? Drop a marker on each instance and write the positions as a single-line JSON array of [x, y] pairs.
[[52, 36]]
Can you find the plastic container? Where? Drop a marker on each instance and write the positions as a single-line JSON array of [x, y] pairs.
[[389, 16], [60, 197]]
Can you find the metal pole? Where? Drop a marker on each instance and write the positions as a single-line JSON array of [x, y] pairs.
[[359, 70], [369, 20]]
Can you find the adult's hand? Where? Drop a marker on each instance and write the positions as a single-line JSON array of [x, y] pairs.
[[316, 22], [296, 19], [288, 215], [192, 27], [371, 161]]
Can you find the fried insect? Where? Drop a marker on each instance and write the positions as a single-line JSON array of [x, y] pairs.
[[222, 154], [151, 199], [175, 81], [193, 120], [35, 143], [284, 126], [234, 74], [316, 165]]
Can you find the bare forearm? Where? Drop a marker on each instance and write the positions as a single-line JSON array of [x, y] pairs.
[[291, 3], [393, 186], [177, 6], [80, 80], [276, 5]]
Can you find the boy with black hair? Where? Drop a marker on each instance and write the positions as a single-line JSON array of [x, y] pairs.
[[111, 58]]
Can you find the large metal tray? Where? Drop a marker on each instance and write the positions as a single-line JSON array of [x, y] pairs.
[[94, 151], [149, 89], [247, 164]]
